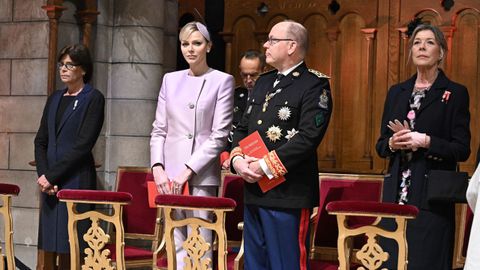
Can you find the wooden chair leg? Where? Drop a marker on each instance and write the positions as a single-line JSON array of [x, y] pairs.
[[343, 252], [46, 260]]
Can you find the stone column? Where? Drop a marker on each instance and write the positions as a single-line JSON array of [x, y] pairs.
[[23, 90], [136, 44]]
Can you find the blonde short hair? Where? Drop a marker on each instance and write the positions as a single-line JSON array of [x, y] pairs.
[[191, 27]]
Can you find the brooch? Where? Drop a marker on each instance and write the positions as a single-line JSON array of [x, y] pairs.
[[411, 115], [446, 96], [274, 133], [291, 133], [284, 113]]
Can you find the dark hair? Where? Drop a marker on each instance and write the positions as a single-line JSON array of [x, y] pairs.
[[80, 56], [254, 54]]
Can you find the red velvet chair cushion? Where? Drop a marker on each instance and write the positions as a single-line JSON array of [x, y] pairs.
[[9, 189], [372, 208], [323, 265], [138, 217], [233, 189], [195, 201], [162, 262], [94, 195], [131, 253], [332, 189]]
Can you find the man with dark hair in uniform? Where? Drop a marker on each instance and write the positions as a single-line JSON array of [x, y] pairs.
[[252, 64], [290, 107]]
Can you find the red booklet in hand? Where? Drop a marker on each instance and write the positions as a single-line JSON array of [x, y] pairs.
[[153, 192], [253, 146]]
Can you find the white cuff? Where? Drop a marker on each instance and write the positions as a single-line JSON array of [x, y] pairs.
[[265, 168]]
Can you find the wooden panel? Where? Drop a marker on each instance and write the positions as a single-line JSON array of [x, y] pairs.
[[243, 39], [363, 48], [352, 87], [465, 70]]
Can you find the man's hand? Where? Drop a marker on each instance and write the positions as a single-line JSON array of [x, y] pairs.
[[161, 180], [226, 164], [241, 166]]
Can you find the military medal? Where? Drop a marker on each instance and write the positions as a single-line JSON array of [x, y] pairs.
[[291, 133], [323, 103], [268, 97], [284, 113], [274, 133]]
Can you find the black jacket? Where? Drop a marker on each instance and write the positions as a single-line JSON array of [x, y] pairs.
[[447, 122], [305, 104]]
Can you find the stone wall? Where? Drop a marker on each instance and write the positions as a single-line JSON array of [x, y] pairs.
[[133, 44]]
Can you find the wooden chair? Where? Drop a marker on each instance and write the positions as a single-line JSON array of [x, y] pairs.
[[195, 244], [6, 193], [371, 255], [463, 225], [97, 255], [142, 224], [324, 230], [232, 187]]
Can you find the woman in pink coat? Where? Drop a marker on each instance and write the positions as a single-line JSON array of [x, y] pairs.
[[192, 122]]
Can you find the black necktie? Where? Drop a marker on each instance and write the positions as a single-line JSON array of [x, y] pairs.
[[278, 79]]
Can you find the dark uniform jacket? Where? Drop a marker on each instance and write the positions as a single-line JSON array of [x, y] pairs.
[[292, 126], [63, 154], [445, 119], [240, 98]]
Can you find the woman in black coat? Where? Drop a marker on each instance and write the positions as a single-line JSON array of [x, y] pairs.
[[70, 125], [425, 126]]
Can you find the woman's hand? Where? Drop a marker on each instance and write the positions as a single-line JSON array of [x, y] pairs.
[[399, 140], [416, 140], [179, 180], [43, 183], [242, 167], [161, 180]]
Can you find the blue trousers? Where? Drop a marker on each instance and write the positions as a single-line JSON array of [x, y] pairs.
[[276, 238]]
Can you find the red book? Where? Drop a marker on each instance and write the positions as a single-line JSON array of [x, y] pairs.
[[153, 192], [253, 146]]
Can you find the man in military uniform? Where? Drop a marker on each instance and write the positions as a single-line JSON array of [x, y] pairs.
[[290, 107], [251, 65]]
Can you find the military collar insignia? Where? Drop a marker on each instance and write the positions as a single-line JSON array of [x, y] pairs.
[[274, 133], [291, 133], [318, 73], [323, 102], [295, 74], [284, 113]]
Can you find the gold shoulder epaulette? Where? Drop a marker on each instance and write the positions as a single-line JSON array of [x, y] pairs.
[[268, 72], [318, 73]]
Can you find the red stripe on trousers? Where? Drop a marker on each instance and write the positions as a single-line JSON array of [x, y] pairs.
[[302, 236]]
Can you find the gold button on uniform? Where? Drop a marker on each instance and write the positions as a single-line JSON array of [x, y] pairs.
[[259, 122]]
